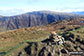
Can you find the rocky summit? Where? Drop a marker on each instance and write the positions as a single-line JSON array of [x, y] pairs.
[[51, 46], [55, 45]]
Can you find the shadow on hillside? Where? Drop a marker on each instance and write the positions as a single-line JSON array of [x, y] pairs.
[[2, 53]]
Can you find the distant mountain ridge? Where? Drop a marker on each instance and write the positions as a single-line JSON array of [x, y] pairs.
[[36, 18], [80, 13]]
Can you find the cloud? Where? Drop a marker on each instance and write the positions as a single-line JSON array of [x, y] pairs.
[[10, 12], [69, 10], [14, 8]]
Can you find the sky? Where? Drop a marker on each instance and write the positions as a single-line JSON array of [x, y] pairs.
[[16, 7]]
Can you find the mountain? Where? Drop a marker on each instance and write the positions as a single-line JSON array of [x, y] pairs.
[[36, 18], [80, 13], [1, 16]]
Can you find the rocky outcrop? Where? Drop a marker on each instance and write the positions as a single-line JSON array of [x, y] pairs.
[[52, 46], [47, 47]]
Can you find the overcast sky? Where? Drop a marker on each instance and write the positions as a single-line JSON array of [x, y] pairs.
[[15, 7]]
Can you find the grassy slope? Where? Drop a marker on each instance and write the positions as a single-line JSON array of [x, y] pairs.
[[11, 40]]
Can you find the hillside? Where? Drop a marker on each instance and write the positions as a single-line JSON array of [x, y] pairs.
[[37, 18], [14, 42]]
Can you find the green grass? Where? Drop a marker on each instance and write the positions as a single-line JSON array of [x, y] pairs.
[[10, 39], [19, 46]]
